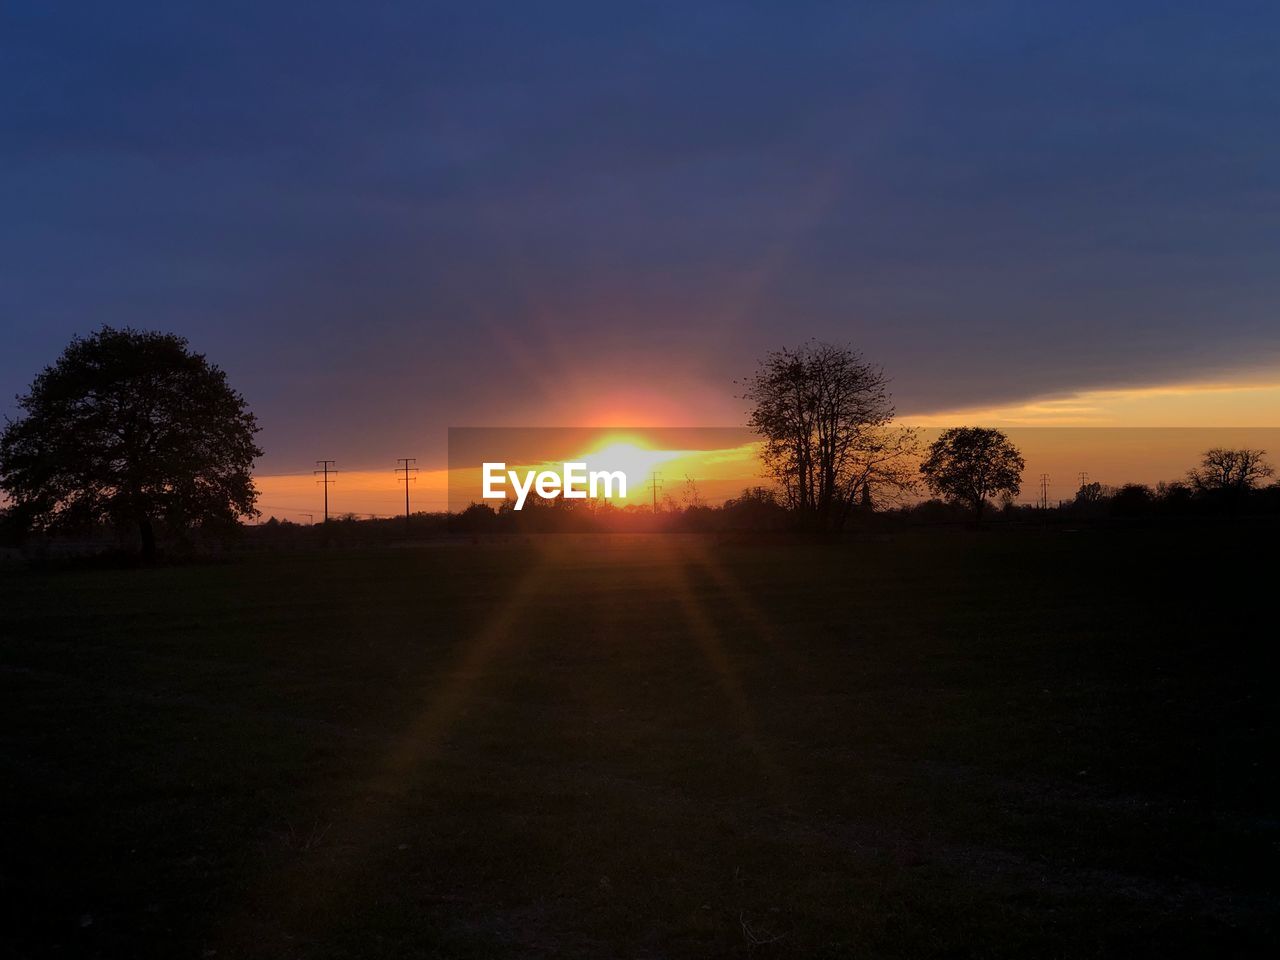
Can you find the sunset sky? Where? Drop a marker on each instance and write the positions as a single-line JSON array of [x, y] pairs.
[[385, 220]]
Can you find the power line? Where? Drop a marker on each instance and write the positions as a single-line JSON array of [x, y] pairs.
[[1044, 491], [325, 468], [408, 470], [655, 484]]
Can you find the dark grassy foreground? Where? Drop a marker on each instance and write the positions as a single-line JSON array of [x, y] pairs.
[[970, 744]]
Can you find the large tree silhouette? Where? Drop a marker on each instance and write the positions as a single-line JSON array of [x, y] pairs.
[[825, 415], [130, 428], [1224, 470], [971, 464]]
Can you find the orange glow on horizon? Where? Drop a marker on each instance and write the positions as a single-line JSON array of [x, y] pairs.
[[692, 461]]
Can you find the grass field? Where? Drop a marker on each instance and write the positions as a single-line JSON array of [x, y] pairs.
[[962, 744]]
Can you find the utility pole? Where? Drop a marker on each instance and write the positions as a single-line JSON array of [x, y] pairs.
[[655, 484], [1044, 491], [408, 469], [1084, 478], [326, 468]]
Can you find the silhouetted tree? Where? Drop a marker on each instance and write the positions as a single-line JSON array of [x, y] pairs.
[[1090, 493], [130, 428], [1132, 500], [756, 508], [1224, 470], [1174, 498], [11, 528], [1091, 500], [825, 415], [971, 464], [478, 517], [691, 496]]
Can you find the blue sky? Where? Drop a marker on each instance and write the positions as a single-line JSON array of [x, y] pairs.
[[383, 219]]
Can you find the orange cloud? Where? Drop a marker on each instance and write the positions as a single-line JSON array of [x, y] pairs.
[[1251, 404]]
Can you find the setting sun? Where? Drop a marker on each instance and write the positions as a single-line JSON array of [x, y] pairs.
[[639, 463]]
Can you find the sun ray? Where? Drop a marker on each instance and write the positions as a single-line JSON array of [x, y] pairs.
[[418, 744], [707, 639]]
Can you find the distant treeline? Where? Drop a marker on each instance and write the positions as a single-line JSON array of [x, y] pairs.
[[756, 511], [761, 510], [1097, 501]]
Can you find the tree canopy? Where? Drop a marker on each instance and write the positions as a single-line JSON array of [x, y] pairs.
[[825, 414], [972, 464], [130, 428], [1230, 470]]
